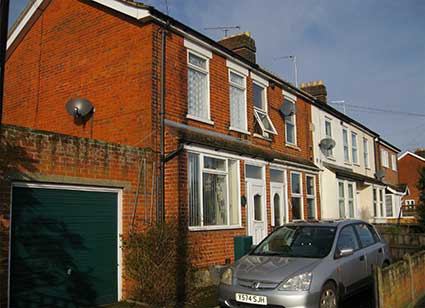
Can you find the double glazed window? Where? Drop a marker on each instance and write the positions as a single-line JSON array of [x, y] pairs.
[[296, 196], [354, 150], [366, 152], [237, 101], [378, 202], [394, 162], [384, 158], [328, 134], [213, 191], [346, 199], [311, 197], [345, 144], [290, 125], [264, 124], [197, 86]]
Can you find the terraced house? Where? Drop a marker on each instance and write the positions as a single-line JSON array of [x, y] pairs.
[[236, 154]]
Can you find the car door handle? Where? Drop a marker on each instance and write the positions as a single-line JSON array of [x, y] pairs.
[[361, 258]]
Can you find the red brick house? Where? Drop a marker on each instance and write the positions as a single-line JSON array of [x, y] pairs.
[[235, 163], [409, 163]]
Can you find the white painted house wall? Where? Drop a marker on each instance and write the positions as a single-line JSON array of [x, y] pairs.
[[329, 183]]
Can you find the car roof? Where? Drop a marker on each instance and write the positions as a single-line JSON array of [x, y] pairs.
[[326, 223]]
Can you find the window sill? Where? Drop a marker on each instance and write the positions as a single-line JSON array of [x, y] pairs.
[[356, 164], [293, 146], [330, 158], [215, 228], [262, 137], [195, 118], [239, 130], [348, 163]]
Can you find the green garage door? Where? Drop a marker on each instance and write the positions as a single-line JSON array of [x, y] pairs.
[[63, 248]]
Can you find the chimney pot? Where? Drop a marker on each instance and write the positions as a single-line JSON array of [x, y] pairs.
[[317, 89]]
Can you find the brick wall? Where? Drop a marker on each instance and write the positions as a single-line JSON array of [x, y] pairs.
[[401, 285], [391, 176], [409, 175], [39, 156]]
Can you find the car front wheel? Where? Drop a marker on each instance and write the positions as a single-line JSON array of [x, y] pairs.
[[328, 296]]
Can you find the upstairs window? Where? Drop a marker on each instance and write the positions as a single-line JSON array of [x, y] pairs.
[[384, 158], [198, 87], [237, 84], [366, 152], [354, 150], [328, 134], [290, 121], [263, 120], [394, 162], [345, 144]]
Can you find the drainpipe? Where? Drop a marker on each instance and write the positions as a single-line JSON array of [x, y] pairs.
[[160, 216], [4, 19]]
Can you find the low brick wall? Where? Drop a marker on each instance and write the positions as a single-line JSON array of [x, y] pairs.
[[402, 284], [402, 244]]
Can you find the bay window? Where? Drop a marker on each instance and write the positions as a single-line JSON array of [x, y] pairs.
[[311, 197], [213, 191], [296, 196]]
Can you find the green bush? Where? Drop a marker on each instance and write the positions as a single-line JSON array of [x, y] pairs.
[[420, 208], [158, 265]]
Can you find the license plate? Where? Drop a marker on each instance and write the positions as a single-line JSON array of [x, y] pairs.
[[251, 299]]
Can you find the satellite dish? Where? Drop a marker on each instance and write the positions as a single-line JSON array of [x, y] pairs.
[[327, 144], [288, 108], [79, 107], [379, 174]]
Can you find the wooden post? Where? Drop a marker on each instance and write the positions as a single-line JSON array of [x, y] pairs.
[[378, 287], [408, 259]]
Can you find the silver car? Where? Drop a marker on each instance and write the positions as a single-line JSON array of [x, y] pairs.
[[305, 265]]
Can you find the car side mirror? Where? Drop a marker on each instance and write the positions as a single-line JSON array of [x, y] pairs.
[[344, 253]]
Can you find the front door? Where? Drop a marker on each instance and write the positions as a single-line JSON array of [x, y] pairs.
[[278, 211], [257, 217]]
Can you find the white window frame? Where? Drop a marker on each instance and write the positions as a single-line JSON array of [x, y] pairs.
[[330, 153], [284, 202], [346, 198], [206, 71], [243, 130], [264, 111], [393, 162], [384, 158], [339, 198], [200, 187], [392, 206], [366, 153], [410, 202], [297, 195], [313, 196], [293, 99], [355, 148], [346, 159], [375, 198]]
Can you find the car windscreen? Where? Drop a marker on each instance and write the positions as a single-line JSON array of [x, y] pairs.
[[298, 242]]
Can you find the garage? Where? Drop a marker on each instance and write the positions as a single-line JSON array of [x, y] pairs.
[[64, 246]]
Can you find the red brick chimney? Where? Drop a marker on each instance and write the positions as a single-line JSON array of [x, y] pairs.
[[243, 44], [420, 152], [317, 89]]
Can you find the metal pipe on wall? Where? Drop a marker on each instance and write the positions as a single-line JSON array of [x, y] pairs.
[[4, 20]]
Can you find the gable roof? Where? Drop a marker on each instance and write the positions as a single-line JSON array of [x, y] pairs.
[[412, 154]]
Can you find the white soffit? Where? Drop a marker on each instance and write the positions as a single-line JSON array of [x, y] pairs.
[[197, 48], [259, 79], [116, 5], [236, 67], [289, 95]]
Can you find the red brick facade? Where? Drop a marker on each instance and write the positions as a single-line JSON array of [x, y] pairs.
[[409, 166], [76, 49], [391, 172]]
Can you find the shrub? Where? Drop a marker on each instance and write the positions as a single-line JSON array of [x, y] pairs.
[[420, 208], [158, 264]]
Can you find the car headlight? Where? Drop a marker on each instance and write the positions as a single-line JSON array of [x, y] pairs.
[[227, 277], [297, 283]]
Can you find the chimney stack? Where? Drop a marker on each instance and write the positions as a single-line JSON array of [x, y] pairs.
[[242, 44], [317, 89], [420, 152]]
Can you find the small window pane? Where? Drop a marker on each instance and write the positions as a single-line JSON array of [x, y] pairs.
[[290, 133], [194, 201], [296, 183], [258, 208], [197, 93], [389, 205], [214, 163], [237, 108], [258, 96], [296, 207], [215, 211], [328, 129], [366, 237], [375, 203], [276, 206], [276, 176], [311, 211], [253, 172], [197, 61], [310, 185], [347, 239], [237, 79]]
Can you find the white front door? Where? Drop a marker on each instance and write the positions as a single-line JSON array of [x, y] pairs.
[[278, 202], [257, 216]]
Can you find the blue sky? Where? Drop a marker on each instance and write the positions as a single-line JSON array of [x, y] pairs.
[[368, 53]]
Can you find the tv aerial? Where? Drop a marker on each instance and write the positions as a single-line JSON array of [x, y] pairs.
[[225, 29]]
